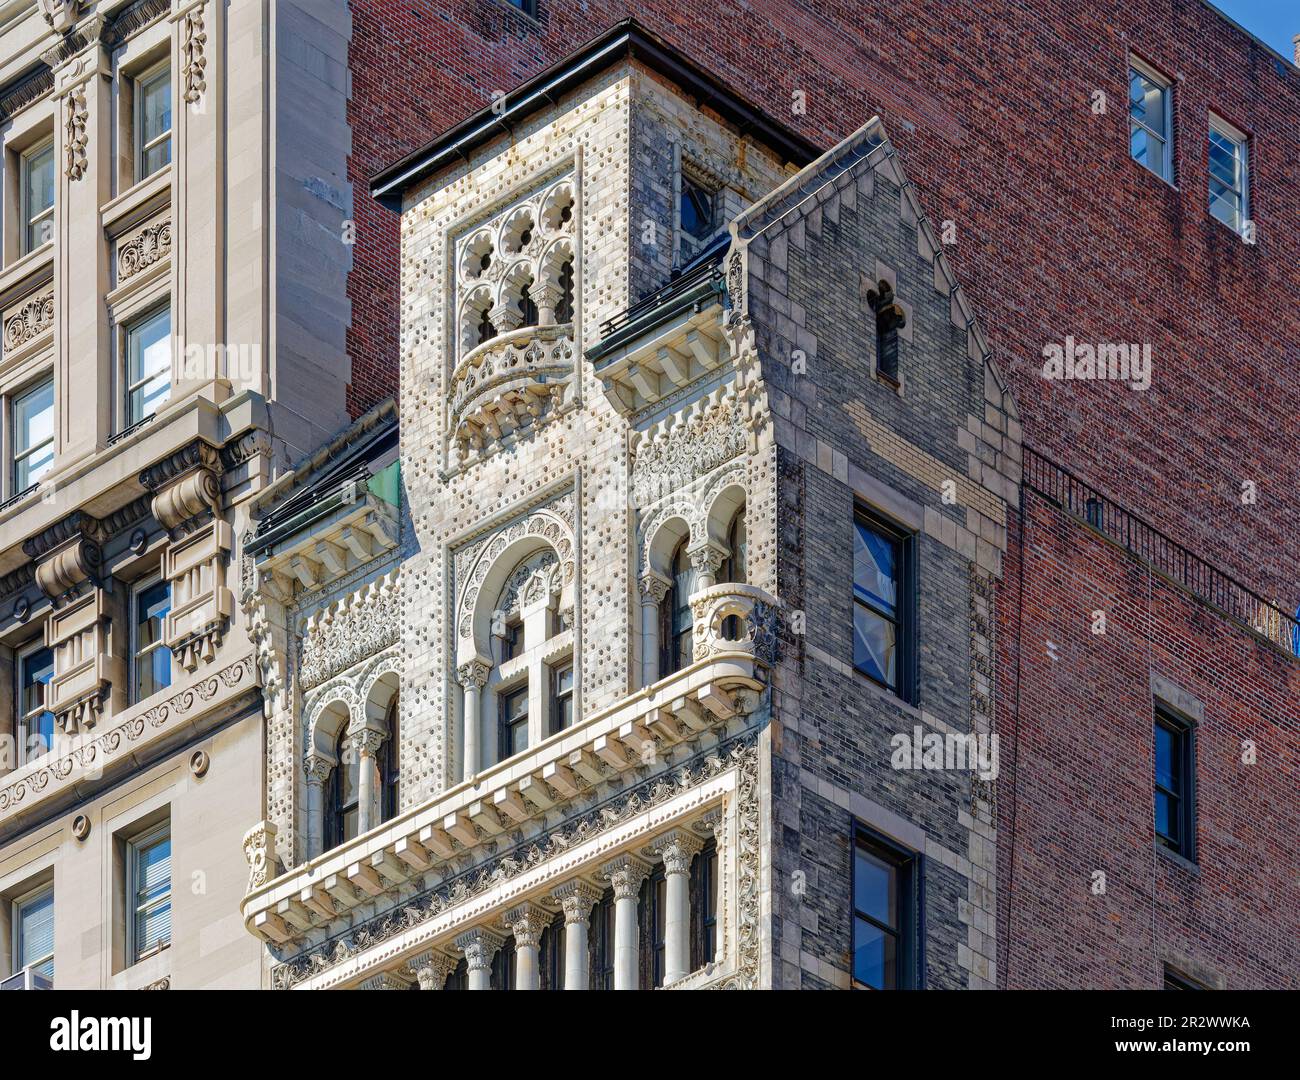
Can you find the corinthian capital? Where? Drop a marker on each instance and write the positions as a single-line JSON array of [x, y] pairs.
[[625, 874], [366, 741], [654, 586], [431, 969], [317, 768], [526, 922], [577, 898], [479, 947], [677, 849]]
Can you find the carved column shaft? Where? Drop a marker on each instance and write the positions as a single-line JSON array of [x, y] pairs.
[[625, 874], [472, 676], [577, 898], [365, 743], [653, 590], [677, 849], [479, 947]]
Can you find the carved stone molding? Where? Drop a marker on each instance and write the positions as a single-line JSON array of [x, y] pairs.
[[185, 484], [149, 245], [259, 851], [61, 15], [75, 134], [165, 983], [193, 39], [34, 318]]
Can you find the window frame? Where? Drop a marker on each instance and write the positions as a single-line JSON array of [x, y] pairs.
[[160, 72], [1184, 846], [39, 892], [505, 727], [906, 606], [336, 809], [391, 779], [26, 242], [16, 455], [138, 589], [22, 718], [1241, 140], [909, 867], [1151, 74], [704, 906], [561, 698], [130, 329], [134, 847]]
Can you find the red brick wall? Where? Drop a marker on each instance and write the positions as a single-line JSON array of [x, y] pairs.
[[1075, 787]]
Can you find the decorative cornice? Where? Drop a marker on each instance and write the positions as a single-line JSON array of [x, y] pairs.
[[741, 753], [91, 754], [25, 90]]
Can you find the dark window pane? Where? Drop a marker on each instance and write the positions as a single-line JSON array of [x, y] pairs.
[[875, 568], [875, 956], [875, 641], [875, 888]]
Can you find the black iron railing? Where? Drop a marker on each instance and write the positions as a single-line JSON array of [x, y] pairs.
[[679, 286], [1061, 487]]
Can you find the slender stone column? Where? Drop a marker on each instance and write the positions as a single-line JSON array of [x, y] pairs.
[[625, 874], [365, 743], [653, 590], [472, 675], [479, 947], [677, 849], [317, 768], [525, 922], [577, 898], [431, 969]]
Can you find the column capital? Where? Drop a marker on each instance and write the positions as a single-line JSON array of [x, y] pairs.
[[473, 673], [366, 741], [654, 587], [479, 945], [625, 873], [431, 969], [677, 848], [317, 768], [707, 557], [577, 898], [526, 922]]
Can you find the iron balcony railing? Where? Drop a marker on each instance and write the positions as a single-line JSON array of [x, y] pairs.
[[1061, 487], [706, 272]]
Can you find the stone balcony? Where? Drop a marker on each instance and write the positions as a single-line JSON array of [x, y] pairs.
[[652, 736], [514, 382]]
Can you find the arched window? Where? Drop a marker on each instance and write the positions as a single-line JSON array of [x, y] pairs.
[[391, 768], [343, 819], [677, 632], [564, 309]]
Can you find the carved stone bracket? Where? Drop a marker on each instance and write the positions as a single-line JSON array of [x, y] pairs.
[[61, 14], [67, 554], [259, 850]]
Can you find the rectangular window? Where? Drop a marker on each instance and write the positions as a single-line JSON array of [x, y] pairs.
[[652, 914], [562, 697], [38, 196], [151, 660], [32, 423], [1229, 174], [153, 121], [883, 602], [551, 949], [150, 877], [35, 732], [1175, 802], [885, 914], [514, 722], [1150, 111], [148, 365], [33, 922], [512, 641], [1176, 980], [704, 906], [601, 971]]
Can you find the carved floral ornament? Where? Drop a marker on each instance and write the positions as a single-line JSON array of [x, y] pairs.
[[741, 755], [34, 318], [193, 40], [76, 138], [148, 246]]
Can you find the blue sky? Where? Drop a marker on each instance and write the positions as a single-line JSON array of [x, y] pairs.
[[1276, 21]]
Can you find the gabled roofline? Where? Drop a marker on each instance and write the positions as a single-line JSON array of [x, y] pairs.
[[622, 40]]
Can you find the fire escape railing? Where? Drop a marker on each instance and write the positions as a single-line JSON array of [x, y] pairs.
[[1172, 560]]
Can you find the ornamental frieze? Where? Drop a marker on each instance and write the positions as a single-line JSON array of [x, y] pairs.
[[350, 630], [672, 453]]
